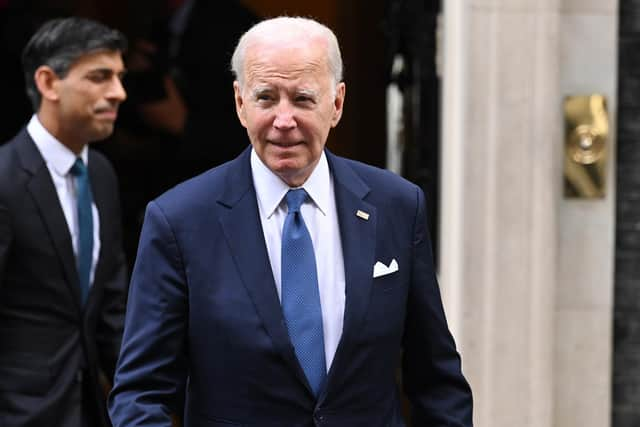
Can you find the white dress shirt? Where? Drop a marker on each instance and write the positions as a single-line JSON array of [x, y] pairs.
[[321, 219], [59, 160]]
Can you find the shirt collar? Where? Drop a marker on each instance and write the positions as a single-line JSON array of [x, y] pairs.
[[57, 155], [270, 189]]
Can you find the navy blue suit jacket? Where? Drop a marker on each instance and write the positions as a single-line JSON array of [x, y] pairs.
[[203, 307]]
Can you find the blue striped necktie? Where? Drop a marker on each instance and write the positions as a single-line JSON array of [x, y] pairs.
[[84, 256], [300, 294]]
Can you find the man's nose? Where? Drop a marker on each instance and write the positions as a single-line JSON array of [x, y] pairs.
[[284, 117], [116, 90]]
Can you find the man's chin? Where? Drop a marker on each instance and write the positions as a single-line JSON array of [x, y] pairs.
[[284, 167], [292, 174], [103, 133]]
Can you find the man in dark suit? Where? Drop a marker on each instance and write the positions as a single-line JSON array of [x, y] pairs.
[[286, 286], [62, 268]]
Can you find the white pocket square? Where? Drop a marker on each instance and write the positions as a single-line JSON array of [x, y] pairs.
[[379, 269]]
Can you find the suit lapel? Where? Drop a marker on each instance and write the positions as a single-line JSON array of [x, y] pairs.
[[46, 198], [243, 231], [358, 238]]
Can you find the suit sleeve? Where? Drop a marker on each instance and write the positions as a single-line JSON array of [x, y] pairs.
[[151, 368], [432, 375]]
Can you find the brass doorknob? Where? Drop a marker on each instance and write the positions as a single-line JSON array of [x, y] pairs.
[[586, 134]]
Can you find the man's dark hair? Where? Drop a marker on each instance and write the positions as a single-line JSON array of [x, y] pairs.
[[59, 43]]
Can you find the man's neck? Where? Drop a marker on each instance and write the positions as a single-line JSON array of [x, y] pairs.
[[55, 128]]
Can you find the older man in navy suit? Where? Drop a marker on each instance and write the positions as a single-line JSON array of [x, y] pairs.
[[286, 287]]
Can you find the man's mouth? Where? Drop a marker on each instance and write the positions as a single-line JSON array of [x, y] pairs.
[[285, 144], [107, 113]]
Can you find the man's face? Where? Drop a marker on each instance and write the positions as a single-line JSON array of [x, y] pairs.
[[288, 105], [88, 97]]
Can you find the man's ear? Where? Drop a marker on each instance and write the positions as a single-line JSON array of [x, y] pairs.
[[338, 103], [46, 81], [240, 111]]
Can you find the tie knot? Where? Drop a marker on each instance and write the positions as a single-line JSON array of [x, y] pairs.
[[295, 198], [78, 168]]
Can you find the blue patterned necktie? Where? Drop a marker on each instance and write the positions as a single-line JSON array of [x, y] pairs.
[[84, 256], [300, 295]]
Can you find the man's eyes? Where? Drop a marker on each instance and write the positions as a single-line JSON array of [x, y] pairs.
[[304, 99], [96, 78], [101, 76], [300, 99]]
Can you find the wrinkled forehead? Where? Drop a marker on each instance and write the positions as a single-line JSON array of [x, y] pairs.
[[287, 54]]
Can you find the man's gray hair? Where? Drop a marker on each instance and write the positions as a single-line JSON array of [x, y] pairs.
[[270, 27]]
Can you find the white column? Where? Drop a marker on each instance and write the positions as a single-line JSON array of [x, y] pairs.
[[584, 301], [527, 275], [501, 152]]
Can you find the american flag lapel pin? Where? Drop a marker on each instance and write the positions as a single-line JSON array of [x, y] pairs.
[[362, 214]]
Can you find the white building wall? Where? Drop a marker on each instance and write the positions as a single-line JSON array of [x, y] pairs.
[[526, 275], [584, 300]]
